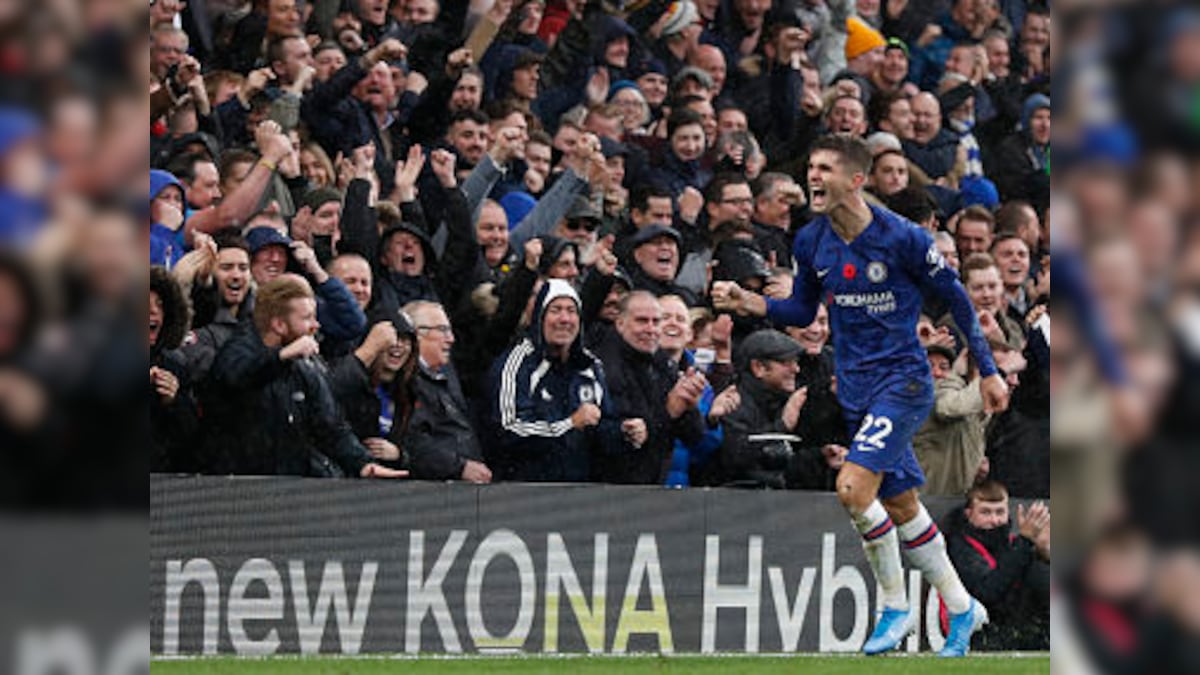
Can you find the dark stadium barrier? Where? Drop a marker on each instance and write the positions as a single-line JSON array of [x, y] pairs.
[[278, 565]]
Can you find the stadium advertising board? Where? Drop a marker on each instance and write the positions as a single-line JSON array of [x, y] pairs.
[[265, 566]]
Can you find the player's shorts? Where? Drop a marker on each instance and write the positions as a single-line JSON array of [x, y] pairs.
[[883, 436]]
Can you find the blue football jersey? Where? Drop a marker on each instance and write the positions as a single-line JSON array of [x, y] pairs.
[[873, 288]]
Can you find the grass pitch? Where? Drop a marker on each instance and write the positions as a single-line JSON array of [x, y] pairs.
[[987, 664]]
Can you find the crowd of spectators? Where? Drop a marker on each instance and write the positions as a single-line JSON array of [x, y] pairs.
[[474, 240]]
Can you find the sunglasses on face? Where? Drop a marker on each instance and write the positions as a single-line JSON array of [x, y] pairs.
[[577, 225]]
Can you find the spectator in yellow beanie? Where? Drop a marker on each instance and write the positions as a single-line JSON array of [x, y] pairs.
[[864, 47]]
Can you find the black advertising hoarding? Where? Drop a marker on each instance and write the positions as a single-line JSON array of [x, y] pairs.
[[263, 566]]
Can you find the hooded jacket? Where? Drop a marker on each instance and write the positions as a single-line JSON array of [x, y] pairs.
[[533, 395], [443, 280], [1019, 165], [165, 245]]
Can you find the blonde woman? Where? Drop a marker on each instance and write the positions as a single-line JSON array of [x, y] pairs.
[[316, 167]]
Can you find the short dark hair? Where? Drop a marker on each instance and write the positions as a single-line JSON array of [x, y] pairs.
[[1009, 216], [881, 106], [987, 491], [640, 198], [469, 70], [235, 156], [685, 101], [326, 45], [766, 182], [540, 136], [476, 116], [978, 214], [184, 166], [914, 203], [275, 46], [230, 238], [1007, 236], [682, 117], [884, 153], [853, 150], [715, 190], [501, 108]]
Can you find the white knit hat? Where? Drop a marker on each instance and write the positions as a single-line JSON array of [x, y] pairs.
[[557, 288], [679, 15]]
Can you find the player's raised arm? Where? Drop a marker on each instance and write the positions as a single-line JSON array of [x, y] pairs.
[[797, 310], [800, 308], [729, 296]]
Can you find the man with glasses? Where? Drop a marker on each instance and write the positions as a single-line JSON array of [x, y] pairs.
[[440, 441], [728, 206], [168, 47]]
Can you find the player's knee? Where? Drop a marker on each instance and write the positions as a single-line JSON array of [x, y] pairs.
[[903, 507], [851, 495]]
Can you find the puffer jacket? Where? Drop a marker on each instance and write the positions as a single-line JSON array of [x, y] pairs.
[[268, 416], [533, 395]]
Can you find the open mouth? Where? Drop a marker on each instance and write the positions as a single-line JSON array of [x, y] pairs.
[[408, 259], [154, 326], [817, 195], [672, 332]]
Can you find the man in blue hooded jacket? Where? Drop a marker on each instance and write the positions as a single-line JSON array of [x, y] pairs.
[[550, 405]]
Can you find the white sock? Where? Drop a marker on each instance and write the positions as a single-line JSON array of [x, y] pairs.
[[882, 548], [925, 548]]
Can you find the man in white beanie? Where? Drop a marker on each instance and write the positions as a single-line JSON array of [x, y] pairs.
[[551, 410]]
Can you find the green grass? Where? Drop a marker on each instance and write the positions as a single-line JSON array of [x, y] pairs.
[[998, 664]]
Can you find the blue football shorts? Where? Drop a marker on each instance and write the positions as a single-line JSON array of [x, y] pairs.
[[883, 434]]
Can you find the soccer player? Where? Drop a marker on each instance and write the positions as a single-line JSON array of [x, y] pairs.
[[870, 266]]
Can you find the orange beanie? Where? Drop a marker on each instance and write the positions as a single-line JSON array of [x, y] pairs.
[[861, 38]]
